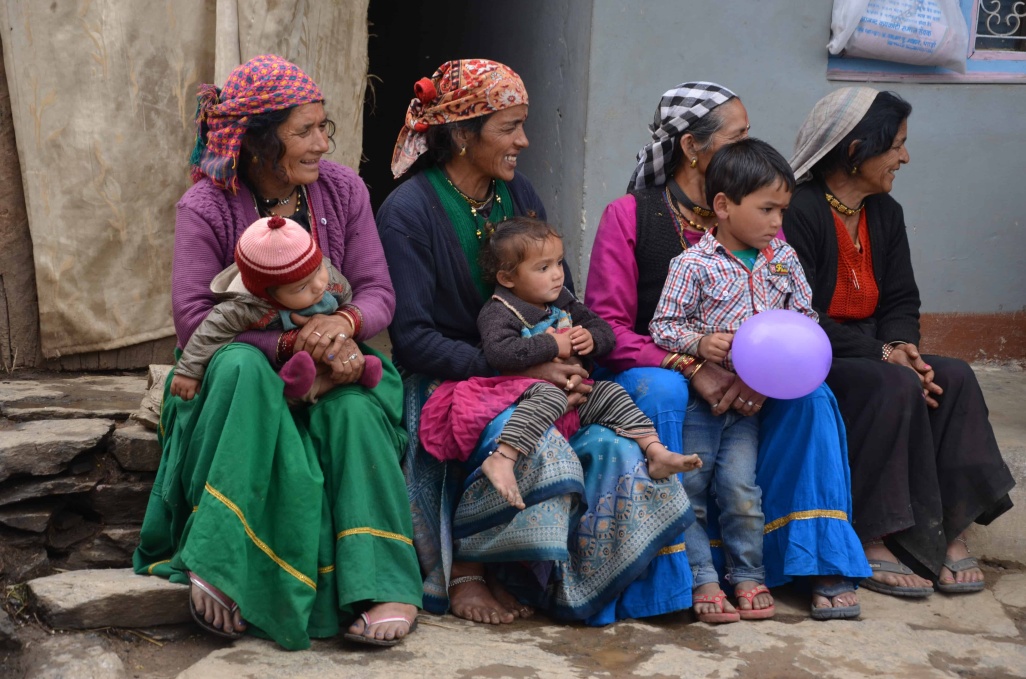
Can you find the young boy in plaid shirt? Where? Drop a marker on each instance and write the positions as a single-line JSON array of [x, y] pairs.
[[738, 269]]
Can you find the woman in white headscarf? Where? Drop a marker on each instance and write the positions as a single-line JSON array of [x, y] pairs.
[[802, 465], [925, 464]]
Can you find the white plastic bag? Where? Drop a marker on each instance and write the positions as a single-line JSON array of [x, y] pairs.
[[923, 32]]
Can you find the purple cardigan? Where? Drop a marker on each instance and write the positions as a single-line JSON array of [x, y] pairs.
[[209, 222]]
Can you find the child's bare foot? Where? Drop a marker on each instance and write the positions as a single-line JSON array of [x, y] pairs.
[[754, 601], [664, 463], [498, 468], [710, 605]]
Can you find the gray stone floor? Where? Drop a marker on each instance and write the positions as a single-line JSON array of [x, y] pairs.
[[980, 635]]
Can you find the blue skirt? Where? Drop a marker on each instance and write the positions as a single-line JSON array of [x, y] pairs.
[[598, 542], [802, 470]]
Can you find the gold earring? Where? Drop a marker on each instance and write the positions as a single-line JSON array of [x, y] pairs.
[[463, 150], [694, 162], [256, 159], [854, 170]]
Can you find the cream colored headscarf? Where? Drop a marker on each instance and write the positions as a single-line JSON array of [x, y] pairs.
[[833, 117]]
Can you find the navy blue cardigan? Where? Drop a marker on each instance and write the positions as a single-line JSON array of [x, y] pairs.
[[434, 330]]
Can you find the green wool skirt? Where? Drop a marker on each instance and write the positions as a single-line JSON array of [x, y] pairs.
[[299, 515]]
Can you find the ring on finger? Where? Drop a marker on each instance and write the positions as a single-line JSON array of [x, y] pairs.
[[352, 357], [750, 403], [741, 398], [569, 384], [757, 406], [316, 333]]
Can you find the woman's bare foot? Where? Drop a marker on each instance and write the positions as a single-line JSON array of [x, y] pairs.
[[396, 629], [758, 602], [878, 551], [664, 463], [958, 550], [842, 600], [507, 600], [473, 599], [498, 468], [208, 608]]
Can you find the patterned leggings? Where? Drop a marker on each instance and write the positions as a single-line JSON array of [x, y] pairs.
[[543, 403]]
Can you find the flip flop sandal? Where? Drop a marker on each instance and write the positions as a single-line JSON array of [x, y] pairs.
[[755, 613], [835, 612], [893, 590], [371, 641], [220, 599], [714, 618], [961, 587]]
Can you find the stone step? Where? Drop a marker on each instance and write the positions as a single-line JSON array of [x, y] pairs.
[[42, 448], [60, 397], [136, 448], [116, 597]]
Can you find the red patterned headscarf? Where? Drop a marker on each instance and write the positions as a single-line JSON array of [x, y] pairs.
[[458, 90], [262, 84]]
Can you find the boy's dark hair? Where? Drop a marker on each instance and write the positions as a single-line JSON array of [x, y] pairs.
[[875, 134], [744, 167], [508, 243]]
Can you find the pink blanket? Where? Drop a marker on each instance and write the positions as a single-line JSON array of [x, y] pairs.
[[457, 412]]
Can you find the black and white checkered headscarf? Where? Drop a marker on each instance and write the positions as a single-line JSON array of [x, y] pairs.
[[678, 110]]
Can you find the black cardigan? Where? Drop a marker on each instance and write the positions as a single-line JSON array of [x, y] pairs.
[[809, 227], [434, 330]]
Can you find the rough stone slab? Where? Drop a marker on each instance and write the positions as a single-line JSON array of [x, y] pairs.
[[148, 413], [112, 548], [8, 633], [30, 517], [61, 485], [46, 447], [60, 397], [22, 562], [121, 502], [73, 657], [1010, 590], [109, 598], [136, 448]]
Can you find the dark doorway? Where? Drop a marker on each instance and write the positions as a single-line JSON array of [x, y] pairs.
[[408, 41]]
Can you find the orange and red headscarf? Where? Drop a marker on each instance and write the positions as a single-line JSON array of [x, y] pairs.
[[263, 84], [458, 90]]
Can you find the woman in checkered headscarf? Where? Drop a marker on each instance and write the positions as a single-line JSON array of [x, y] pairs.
[[802, 465], [287, 522], [460, 144]]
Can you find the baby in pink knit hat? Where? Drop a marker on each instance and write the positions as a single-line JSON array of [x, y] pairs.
[[278, 271]]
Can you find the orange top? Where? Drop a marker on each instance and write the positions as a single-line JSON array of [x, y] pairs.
[[856, 294]]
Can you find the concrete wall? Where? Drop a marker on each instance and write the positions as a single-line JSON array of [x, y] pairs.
[[547, 42], [962, 192]]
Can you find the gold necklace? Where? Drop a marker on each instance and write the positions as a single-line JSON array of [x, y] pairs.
[[841, 207], [672, 202], [475, 204]]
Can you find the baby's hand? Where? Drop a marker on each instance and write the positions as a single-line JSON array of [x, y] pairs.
[[715, 346], [184, 387], [582, 341], [563, 341]]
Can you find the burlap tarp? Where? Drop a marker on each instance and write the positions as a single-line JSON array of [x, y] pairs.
[[103, 98]]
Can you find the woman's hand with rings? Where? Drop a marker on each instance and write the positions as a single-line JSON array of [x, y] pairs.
[[563, 374], [908, 355], [321, 336], [347, 367]]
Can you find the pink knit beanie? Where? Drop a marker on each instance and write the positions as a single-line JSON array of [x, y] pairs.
[[275, 251]]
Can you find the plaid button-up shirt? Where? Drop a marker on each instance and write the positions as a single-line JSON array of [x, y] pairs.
[[709, 290]]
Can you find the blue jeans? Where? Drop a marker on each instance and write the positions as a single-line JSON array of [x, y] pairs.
[[728, 446]]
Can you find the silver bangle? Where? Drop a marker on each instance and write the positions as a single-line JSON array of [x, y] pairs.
[[465, 579]]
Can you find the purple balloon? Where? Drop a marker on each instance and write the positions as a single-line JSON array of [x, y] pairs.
[[781, 353]]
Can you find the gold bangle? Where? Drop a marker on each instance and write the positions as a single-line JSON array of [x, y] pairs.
[[695, 371]]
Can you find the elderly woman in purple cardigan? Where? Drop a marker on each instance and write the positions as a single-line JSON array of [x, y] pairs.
[[287, 522]]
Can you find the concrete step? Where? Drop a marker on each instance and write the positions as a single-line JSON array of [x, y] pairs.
[[115, 597]]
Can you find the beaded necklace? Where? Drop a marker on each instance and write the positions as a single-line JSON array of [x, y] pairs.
[[481, 210], [841, 207], [682, 199], [679, 218]]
